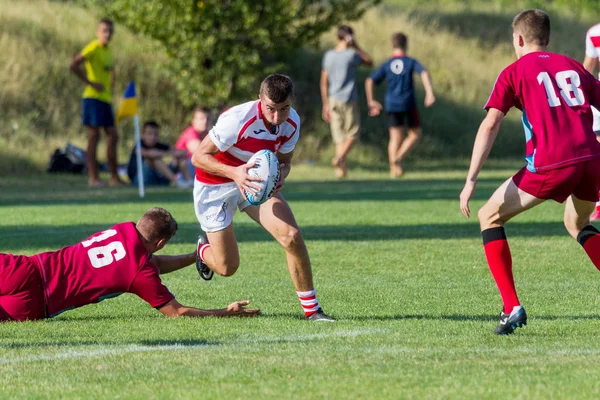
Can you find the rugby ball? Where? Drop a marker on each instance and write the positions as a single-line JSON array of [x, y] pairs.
[[266, 167]]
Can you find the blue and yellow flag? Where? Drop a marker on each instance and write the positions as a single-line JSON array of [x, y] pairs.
[[128, 106]]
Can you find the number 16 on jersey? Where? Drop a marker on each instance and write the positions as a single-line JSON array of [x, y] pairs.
[[101, 256]]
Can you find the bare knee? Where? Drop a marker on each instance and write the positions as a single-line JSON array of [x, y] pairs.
[[226, 267], [488, 218], [111, 133], [577, 215], [414, 133], [291, 239], [224, 264]]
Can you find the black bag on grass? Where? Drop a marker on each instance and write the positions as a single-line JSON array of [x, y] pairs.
[[71, 159]]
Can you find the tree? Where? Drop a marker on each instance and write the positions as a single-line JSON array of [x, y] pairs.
[[220, 49]]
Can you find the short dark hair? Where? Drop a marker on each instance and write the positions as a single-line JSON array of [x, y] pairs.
[[277, 88], [107, 21], [202, 109], [151, 124], [343, 31], [399, 41], [157, 223], [534, 26]]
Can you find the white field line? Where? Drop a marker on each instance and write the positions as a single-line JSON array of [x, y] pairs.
[[175, 347], [473, 351]]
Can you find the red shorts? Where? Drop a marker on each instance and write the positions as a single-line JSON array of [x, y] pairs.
[[21, 291], [581, 179]]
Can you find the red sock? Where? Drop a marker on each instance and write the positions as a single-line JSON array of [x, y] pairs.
[[202, 249], [499, 260], [589, 238], [309, 302]]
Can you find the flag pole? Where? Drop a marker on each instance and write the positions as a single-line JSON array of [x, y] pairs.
[[138, 155]]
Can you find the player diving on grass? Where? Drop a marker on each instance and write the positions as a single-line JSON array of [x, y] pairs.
[[222, 166], [554, 93], [118, 260]]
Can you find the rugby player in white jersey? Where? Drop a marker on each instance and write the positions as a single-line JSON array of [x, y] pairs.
[[592, 55], [221, 163]]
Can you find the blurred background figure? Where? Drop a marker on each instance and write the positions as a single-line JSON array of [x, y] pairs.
[[339, 94], [99, 76], [154, 168], [400, 102], [190, 138]]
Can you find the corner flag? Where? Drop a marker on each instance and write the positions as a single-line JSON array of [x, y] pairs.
[[129, 108]]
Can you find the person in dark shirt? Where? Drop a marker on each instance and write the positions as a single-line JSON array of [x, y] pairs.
[[400, 102], [154, 169]]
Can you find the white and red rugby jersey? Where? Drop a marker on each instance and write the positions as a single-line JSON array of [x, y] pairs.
[[240, 132], [592, 42]]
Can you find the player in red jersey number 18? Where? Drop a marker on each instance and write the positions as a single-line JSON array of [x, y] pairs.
[[555, 94]]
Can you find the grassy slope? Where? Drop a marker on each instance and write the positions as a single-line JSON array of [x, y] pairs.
[[464, 45], [394, 261], [40, 98]]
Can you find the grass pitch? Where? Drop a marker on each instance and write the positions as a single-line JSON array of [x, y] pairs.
[[394, 261]]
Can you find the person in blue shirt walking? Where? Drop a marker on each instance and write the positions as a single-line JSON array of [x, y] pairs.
[[400, 102]]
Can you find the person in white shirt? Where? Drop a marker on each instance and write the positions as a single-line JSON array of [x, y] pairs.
[[222, 166]]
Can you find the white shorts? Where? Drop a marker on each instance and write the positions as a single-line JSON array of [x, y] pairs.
[[216, 204], [596, 114]]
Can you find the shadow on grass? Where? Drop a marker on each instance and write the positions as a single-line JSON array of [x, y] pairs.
[[348, 190], [449, 317], [15, 238], [12, 164]]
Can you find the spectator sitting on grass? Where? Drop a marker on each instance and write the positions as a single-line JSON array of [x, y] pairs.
[[155, 170]]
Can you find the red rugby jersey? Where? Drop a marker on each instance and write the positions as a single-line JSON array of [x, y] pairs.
[[554, 92], [105, 265], [240, 132]]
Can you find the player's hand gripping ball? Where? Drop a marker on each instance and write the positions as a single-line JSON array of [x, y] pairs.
[[266, 167]]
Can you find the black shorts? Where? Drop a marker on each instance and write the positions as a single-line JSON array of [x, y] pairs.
[[409, 118]]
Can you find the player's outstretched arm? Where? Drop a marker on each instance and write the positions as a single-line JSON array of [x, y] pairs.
[[236, 309], [168, 264], [429, 96], [486, 135]]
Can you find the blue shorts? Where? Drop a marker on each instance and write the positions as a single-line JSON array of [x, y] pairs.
[[97, 113], [151, 176]]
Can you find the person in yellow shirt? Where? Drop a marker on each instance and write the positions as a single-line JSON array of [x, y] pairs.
[[99, 77]]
